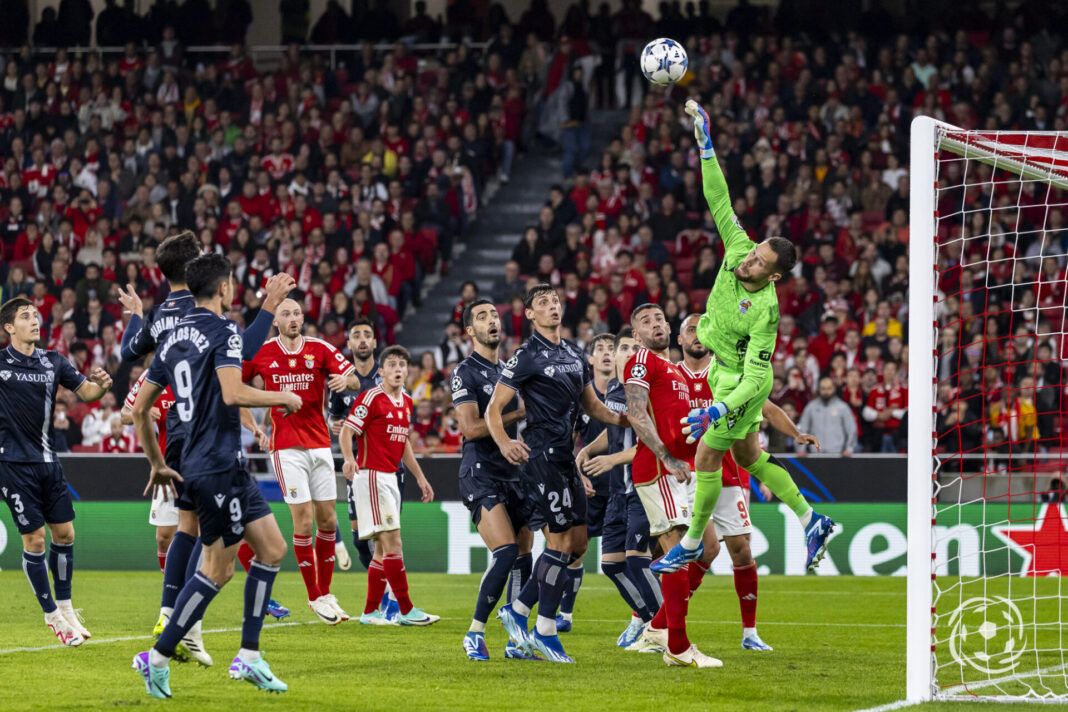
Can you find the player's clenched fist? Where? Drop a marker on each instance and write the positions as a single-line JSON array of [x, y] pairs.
[[348, 469], [100, 377], [515, 452], [277, 288]]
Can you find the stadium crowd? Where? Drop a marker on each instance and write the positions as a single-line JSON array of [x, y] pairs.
[[358, 180]]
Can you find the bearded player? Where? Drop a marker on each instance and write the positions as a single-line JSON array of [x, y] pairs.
[[739, 327], [300, 447], [657, 392], [731, 515]]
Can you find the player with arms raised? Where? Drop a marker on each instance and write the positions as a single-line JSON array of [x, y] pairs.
[[31, 478], [658, 396], [552, 375], [739, 328], [380, 419], [201, 360], [300, 447]]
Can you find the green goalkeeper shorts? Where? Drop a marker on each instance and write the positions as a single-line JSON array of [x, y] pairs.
[[741, 421]]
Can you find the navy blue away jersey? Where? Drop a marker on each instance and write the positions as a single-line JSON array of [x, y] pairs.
[[619, 439], [550, 378], [27, 398], [588, 429], [158, 323], [473, 381], [198, 345], [341, 403]]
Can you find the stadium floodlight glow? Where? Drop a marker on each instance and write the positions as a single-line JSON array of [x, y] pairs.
[[986, 613]]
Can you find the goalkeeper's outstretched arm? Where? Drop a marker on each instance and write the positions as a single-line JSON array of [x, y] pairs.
[[715, 185]]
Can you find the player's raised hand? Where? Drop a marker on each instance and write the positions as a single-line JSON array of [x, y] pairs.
[[161, 482], [806, 439], [597, 466], [678, 469], [516, 452], [100, 377], [131, 302], [426, 489], [348, 469], [337, 382], [293, 402], [702, 128], [276, 289]]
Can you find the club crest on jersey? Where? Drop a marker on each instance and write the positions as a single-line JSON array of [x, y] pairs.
[[550, 370], [5, 374], [292, 363], [744, 306], [487, 389], [309, 361]]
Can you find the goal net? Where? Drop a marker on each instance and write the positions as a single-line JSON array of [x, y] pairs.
[[988, 534]]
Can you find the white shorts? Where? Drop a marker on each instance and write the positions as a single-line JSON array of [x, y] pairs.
[[378, 501], [163, 513], [305, 475], [731, 515], [668, 503]]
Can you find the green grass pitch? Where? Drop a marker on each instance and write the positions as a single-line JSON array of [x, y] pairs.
[[839, 645]]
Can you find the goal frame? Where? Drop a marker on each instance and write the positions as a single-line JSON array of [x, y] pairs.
[[919, 633]]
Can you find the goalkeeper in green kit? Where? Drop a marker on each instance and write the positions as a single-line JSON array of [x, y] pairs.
[[739, 327]]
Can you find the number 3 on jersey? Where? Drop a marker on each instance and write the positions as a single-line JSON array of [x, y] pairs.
[[183, 388]]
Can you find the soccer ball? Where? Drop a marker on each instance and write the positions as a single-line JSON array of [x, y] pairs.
[[664, 61]]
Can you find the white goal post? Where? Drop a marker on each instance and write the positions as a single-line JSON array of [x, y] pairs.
[[987, 616]]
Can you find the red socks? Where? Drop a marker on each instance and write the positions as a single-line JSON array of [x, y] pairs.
[[305, 553], [398, 581], [325, 552], [162, 556], [745, 583], [245, 554], [698, 569], [376, 586], [676, 587]]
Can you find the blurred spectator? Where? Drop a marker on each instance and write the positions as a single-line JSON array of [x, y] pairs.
[[831, 421]]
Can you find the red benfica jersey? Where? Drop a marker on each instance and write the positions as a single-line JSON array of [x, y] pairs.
[[701, 397], [669, 403], [164, 403], [381, 424], [894, 397], [303, 371]]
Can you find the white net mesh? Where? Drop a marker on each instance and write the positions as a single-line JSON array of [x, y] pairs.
[[1000, 536]]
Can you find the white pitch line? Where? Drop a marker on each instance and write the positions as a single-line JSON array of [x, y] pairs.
[[890, 706], [980, 684], [102, 641], [125, 639]]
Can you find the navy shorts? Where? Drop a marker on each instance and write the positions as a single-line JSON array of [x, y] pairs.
[[555, 496], [173, 458], [225, 503], [626, 528], [596, 507], [478, 490], [36, 493], [351, 498]]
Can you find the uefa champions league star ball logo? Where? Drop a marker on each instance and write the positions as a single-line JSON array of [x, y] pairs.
[[987, 634]]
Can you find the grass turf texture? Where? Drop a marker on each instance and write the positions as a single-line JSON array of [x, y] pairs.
[[839, 644]]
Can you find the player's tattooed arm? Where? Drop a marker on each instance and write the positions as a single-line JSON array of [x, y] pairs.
[[515, 451], [597, 410], [413, 466], [638, 412]]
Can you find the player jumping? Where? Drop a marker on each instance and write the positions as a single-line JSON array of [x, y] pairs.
[[381, 419], [489, 484], [300, 447], [201, 361], [551, 375], [739, 328], [31, 478]]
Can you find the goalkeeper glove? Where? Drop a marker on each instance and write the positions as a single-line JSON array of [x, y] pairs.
[[702, 128], [701, 419]]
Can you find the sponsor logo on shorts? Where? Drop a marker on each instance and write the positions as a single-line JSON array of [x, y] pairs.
[[292, 491]]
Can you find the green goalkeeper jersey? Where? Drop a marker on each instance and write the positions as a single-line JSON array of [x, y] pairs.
[[738, 326]]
